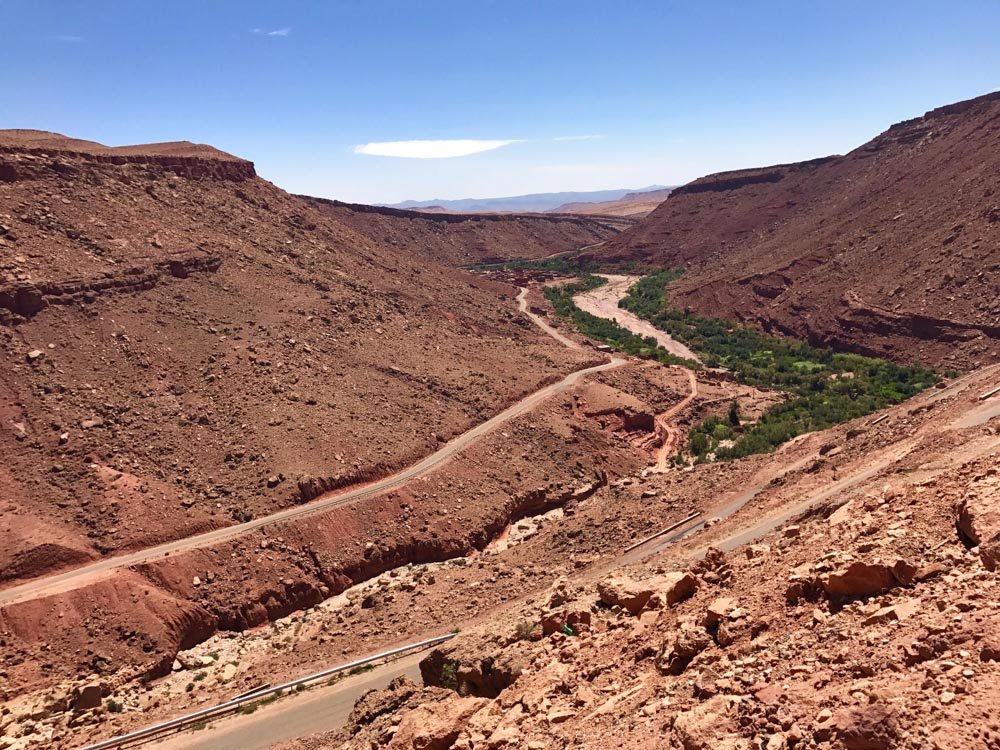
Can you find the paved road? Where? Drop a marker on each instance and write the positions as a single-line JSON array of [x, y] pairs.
[[319, 710], [87, 573]]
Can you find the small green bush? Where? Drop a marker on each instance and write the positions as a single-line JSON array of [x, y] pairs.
[[449, 675]]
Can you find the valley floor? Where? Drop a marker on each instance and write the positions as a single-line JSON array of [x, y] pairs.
[[882, 489], [603, 302]]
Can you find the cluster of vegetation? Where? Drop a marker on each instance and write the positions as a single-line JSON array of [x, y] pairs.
[[707, 436], [826, 388], [449, 675], [248, 708], [603, 329], [567, 264], [524, 631]]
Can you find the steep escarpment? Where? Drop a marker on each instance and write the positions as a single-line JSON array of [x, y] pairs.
[[34, 154], [632, 205], [892, 249], [467, 239], [184, 342]]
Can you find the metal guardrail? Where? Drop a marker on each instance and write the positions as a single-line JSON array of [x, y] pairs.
[[986, 395], [255, 695], [661, 532]]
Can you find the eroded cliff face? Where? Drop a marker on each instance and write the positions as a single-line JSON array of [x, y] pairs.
[[892, 249], [37, 155]]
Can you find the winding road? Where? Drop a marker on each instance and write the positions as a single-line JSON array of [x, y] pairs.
[[87, 573], [522, 304], [603, 302], [671, 434]]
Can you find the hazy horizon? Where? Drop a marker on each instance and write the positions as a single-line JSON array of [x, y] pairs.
[[392, 101]]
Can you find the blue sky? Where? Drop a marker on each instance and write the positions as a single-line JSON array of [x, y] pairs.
[[590, 95]]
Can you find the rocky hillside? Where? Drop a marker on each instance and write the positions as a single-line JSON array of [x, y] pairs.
[[851, 606], [188, 346], [467, 239], [893, 249]]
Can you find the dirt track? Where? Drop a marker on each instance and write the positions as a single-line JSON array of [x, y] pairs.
[[77, 576], [522, 303], [670, 434]]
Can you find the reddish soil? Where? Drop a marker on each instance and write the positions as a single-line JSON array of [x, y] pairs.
[[890, 250], [565, 453], [467, 239], [188, 346], [841, 609]]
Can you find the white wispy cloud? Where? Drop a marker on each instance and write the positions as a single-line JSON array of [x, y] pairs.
[[273, 32], [430, 149], [71, 38], [578, 137]]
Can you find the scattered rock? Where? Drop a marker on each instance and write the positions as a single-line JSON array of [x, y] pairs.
[[557, 622], [559, 715], [718, 610], [979, 525], [88, 696], [677, 651], [707, 726], [871, 727]]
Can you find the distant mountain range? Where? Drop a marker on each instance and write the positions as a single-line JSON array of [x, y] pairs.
[[536, 202], [634, 205]]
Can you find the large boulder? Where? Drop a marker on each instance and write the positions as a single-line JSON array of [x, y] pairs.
[[435, 725], [979, 525], [474, 667], [860, 579], [373, 720], [88, 696], [633, 596]]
